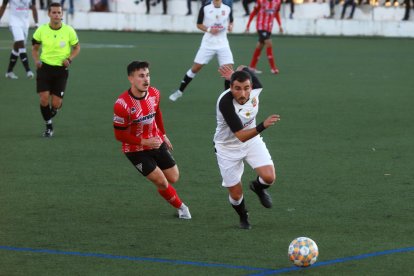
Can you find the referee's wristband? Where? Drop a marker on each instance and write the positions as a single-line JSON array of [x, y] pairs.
[[208, 29], [260, 127], [70, 61]]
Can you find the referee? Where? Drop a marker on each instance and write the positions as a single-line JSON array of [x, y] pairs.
[[60, 45]]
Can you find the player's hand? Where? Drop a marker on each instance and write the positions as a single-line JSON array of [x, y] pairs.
[[240, 67], [38, 64], [230, 28], [247, 30], [281, 30], [154, 142], [271, 120], [226, 71], [66, 62], [168, 143]]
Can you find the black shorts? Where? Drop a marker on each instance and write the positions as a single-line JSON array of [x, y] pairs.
[[263, 35], [52, 79], [146, 161]]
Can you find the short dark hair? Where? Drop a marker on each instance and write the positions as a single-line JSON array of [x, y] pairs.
[[54, 4], [240, 76], [136, 65]]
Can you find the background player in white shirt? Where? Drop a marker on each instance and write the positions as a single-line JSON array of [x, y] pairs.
[[215, 19], [19, 22], [237, 139]]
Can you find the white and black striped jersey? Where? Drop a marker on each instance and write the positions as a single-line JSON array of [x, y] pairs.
[[218, 18], [19, 12], [232, 116]]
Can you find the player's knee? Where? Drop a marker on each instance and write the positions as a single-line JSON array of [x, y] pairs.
[[269, 178], [173, 178]]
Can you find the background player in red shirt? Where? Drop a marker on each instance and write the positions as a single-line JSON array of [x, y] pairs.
[[266, 11], [139, 126]]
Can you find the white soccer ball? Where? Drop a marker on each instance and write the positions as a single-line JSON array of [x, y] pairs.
[[303, 251]]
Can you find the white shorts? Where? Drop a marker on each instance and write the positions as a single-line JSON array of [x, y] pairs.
[[230, 160], [224, 55], [19, 33]]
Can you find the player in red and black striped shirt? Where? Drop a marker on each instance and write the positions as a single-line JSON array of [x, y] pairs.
[[267, 11], [139, 126]]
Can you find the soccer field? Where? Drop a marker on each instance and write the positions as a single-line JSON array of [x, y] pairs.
[[344, 156]]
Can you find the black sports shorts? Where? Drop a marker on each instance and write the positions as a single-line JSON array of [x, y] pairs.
[[263, 35], [147, 160], [52, 78]]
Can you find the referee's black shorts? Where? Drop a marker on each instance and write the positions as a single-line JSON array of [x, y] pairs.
[[147, 160], [52, 78]]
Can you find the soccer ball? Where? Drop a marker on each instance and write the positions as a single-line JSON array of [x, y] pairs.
[[303, 251]]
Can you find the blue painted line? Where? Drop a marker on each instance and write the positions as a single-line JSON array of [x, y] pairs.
[[263, 271], [129, 258], [340, 260]]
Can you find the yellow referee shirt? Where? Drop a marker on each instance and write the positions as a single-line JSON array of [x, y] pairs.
[[56, 44]]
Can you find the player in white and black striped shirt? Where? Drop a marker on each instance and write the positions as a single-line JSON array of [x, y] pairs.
[[215, 19], [237, 139]]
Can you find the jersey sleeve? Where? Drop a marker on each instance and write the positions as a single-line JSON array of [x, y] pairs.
[[255, 79], [37, 37], [158, 120], [121, 116], [73, 37], [200, 17], [226, 108]]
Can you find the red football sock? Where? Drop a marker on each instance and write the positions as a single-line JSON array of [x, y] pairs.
[[255, 57], [269, 52], [170, 195]]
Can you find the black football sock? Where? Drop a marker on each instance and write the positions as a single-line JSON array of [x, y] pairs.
[[185, 82], [240, 209], [46, 113], [25, 61], [12, 62], [259, 186]]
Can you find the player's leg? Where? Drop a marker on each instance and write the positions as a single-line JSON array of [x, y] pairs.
[[270, 56], [259, 158], [166, 163], [257, 52], [43, 90], [225, 58], [203, 57], [231, 167], [23, 53], [237, 202], [14, 55]]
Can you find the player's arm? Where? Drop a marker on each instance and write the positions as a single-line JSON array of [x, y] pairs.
[[252, 15], [226, 72], [34, 13], [278, 20], [3, 7], [74, 53], [121, 126], [35, 52], [160, 124], [231, 19]]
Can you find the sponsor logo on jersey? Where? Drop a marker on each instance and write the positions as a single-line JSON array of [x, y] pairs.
[[248, 123], [145, 118]]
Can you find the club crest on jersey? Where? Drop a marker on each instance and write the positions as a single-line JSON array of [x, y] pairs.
[[254, 101], [133, 110], [223, 13]]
